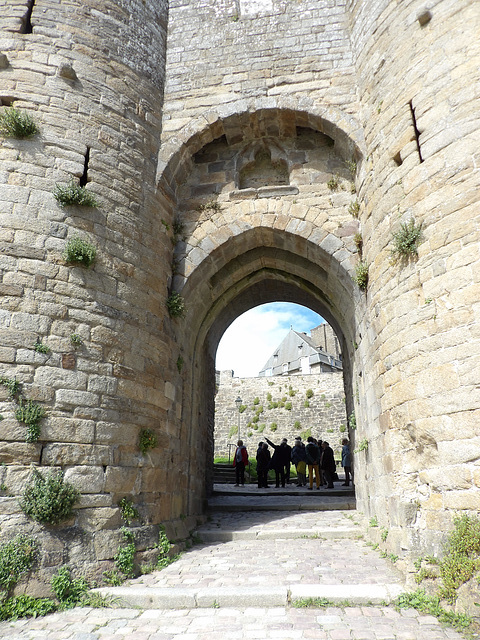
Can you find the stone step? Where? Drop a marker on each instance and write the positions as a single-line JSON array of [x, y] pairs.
[[280, 596], [208, 534]]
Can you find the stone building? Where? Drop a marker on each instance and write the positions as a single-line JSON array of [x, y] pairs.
[[267, 150], [298, 353]]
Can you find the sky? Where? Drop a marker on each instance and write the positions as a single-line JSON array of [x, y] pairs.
[[253, 337]]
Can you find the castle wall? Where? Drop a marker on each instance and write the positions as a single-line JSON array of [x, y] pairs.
[[91, 75], [417, 66], [313, 405]]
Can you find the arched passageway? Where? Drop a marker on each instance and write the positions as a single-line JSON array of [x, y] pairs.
[[262, 212]]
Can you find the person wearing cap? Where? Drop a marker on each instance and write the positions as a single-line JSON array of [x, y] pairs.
[[299, 459]]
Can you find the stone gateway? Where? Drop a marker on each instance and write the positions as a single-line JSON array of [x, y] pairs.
[[322, 152]]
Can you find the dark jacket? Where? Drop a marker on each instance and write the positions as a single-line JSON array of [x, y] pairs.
[[263, 459], [281, 455], [298, 453], [328, 461], [313, 453]]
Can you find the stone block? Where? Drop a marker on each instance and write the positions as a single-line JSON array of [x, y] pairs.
[[121, 479], [87, 479], [76, 454], [99, 519]]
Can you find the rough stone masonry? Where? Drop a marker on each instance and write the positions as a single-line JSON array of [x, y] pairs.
[[258, 151]]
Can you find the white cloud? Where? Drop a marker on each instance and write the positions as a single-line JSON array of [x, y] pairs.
[[251, 339]]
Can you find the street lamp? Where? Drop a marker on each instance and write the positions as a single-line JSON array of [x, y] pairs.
[[238, 403]]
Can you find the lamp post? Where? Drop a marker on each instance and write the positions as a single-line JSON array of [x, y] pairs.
[[238, 403]]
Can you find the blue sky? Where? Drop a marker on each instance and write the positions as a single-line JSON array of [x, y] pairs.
[[252, 338]]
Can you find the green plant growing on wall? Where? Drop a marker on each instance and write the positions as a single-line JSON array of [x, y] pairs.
[[128, 512], [48, 498], [342, 428], [74, 194], [373, 522], [125, 556], [306, 404], [30, 413], [306, 434], [297, 425], [180, 363], [288, 406], [69, 591], [242, 408], [76, 340], [362, 445], [212, 205], [12, 385], [273, 426], [39, 347], [17, 124], [147, 440], [309, 393], [361, 275], [17, 557], [256, 400], [269, 397], [384, 534], [176, 305], [358, 240], [352, 167], [234, 430], [354, 208], [462, 558], [405, 241], [333, 184], [79, 251]]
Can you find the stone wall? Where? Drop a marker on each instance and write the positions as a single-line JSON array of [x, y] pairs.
[[369, 113], [320, 412]]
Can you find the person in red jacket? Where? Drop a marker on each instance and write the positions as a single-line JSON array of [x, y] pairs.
[[240, 461]]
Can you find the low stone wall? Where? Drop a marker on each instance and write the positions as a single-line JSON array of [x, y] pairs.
[[280, 407]]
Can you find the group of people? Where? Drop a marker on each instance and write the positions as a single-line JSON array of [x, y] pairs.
[[316, 457]]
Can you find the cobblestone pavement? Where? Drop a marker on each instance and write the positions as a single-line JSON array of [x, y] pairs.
[[353, 623], [277, 549]]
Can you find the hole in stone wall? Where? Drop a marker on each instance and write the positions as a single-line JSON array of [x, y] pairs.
[[84, 177], [27, 26], [416, 130], [424, 18], [7, 101], [397, 158], [209, 153]]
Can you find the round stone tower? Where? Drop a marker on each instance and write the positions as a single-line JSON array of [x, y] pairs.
[[88, 346]]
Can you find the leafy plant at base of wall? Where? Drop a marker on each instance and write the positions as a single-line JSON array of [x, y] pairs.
[[125, 557], [164, 546], [69, 591], [17, 124], [30, 414], [384, 534], [420, 601], [462, 560], [361, 275], [406, 241], [47, 498], [17, 557], [26, 607], [176, 305], [362, 446], [74, 194], [12, 385], [373, 522], [39, 347], [147, 440], [79, 251], [128, 511], [76, 340], [354, 208]]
